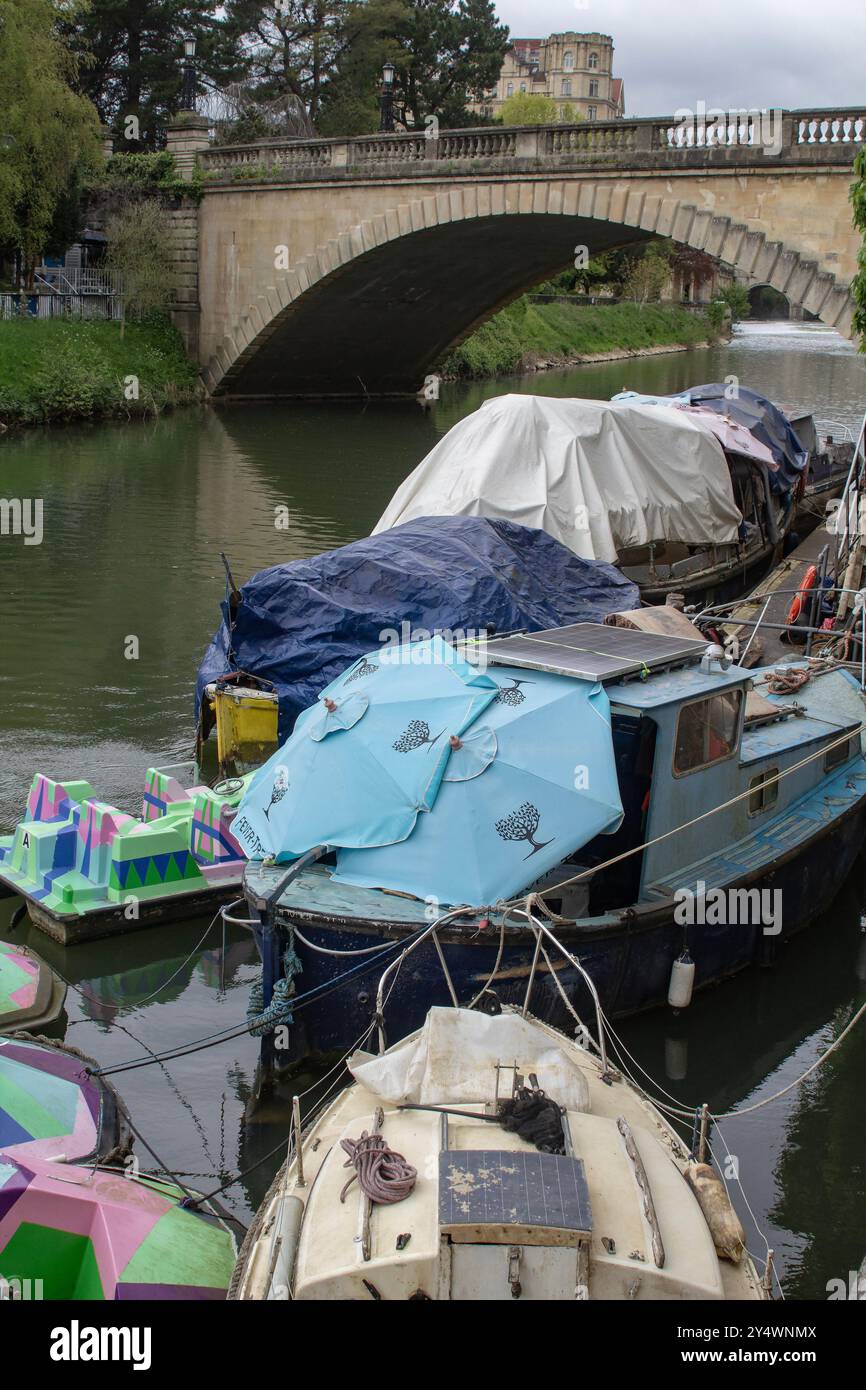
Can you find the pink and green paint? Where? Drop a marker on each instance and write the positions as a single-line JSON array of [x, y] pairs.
[[87, 1233], [74, 854], [50, 1105]]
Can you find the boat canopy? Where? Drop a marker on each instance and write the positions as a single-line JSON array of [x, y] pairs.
[[301, 624], [766, 422], [599, 477]]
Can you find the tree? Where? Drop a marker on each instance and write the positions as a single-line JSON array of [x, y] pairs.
[[131, 55], [736, 297], [48, 133], [648, 274], [141, 250], [525, 109], [858, 284], [447, 53]]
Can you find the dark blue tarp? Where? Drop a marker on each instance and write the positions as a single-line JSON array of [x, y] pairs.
[[300, 624], [764, 421]]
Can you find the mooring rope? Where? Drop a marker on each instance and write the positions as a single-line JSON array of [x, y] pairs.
[[382, 1174]]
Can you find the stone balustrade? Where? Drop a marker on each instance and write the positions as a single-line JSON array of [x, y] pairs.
[[799, 137]]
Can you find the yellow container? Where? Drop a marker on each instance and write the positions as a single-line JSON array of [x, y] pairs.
[[246, 724]]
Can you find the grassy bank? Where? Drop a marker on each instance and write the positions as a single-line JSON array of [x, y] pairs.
[[53, 370], [525, 335]]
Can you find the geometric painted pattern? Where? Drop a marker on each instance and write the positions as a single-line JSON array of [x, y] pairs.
[[74, 854], [91, 1234], [50, 1108]]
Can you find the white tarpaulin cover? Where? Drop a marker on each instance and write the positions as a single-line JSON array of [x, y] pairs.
[[597, 476], [453, 1059]]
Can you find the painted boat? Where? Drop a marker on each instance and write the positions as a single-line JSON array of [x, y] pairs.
[[725, 848], [53, 1108], [31, 995], [602, 1208], [87, 870], [82, 1233]]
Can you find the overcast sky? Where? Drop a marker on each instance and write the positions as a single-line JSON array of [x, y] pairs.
[[727, 53]]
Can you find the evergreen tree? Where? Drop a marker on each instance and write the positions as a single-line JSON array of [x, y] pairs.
[[450, 52], [131, 56]]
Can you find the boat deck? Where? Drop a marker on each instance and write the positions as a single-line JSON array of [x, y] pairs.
[[767, 648]]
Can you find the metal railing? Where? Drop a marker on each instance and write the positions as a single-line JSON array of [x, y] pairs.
[[541, 932]]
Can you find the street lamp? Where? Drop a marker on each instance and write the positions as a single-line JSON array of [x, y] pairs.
[[388, 109], [187, 91]]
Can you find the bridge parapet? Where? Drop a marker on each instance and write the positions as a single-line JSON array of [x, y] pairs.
[[805, 137]]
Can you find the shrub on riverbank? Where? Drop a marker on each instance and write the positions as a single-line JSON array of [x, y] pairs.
[[519, 337], [56, 370]]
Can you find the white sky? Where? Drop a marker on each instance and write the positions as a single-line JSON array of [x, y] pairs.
[[728, 53]]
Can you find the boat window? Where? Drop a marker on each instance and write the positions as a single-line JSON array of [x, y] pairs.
[[837, 756], [707, 731], [763, 793]]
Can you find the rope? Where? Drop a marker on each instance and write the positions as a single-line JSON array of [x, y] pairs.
[[783, 682], [383, 1175]]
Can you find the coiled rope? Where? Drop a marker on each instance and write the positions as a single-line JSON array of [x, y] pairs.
[[383, 1175]]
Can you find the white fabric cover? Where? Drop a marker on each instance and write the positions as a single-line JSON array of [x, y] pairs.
[[452, 1059], [595, 475]]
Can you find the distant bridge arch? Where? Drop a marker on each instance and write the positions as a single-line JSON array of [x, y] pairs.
[[320, 279]]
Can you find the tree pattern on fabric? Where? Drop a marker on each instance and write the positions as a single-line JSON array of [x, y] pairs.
[[364, 668], [415, 735], [511, 694], [281, 786], [522, 825]]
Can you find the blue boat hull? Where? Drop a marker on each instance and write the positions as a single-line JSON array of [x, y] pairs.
[[629, 959]]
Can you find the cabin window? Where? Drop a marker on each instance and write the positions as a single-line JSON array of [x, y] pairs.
[[837, 756], [707, 732], [763, 793]]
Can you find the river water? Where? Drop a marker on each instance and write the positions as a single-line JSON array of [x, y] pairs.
[[135, 517]]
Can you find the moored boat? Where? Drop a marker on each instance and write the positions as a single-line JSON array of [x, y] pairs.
[[86, 869], [55, 1106], [741, 812], [76, 1233], [31, 995], [679, 501], [490, 1157]]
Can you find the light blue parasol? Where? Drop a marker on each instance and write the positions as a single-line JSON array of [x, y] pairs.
[[533, 780], [368, 757]]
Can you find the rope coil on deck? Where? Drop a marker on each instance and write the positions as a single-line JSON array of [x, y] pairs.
[[383, 1175]]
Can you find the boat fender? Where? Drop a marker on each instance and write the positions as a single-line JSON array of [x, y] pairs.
[[682, 982], [284, 1240], [800, 597], [725, 1227]]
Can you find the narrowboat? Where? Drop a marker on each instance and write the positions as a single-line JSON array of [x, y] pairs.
[[491, 1157], [681, 500], [86, 869], [688, 816]]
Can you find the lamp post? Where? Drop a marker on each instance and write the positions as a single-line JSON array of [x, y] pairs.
[[187, 91], [386, 101]]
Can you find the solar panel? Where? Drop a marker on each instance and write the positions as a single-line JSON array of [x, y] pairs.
[[593, 651], [505, 1196]]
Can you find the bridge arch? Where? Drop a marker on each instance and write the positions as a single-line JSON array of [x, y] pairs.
[[371, 310]]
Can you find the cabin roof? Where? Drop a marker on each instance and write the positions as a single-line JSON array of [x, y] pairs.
[[673, 687]]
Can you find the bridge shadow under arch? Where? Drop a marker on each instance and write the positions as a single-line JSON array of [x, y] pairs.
[[377, 324]]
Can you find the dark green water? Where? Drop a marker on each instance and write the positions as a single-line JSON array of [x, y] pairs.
[[135, 517]]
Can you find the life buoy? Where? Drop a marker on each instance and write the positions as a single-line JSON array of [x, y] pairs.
[[797, 604]]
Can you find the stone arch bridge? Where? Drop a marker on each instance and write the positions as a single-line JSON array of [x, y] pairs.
[[340, 268]]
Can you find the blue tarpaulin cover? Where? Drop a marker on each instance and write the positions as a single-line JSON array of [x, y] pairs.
[[301, 624]]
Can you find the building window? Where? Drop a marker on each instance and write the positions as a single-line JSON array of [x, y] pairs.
[[593, 60], [523, 86], [568, 62], [509, 89], [763, 792], [566, 86], [707, 732], [591, 113], [593, 87]]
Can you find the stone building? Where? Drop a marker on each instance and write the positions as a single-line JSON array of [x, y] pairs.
[[576, 70]]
